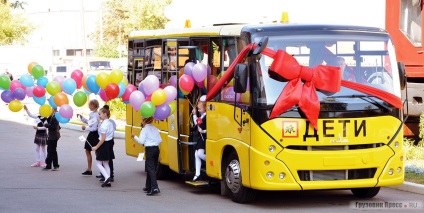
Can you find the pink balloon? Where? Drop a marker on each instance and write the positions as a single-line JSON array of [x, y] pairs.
[[136, 100], [130, 89], [29, 91], [173, 81], [200, 84], [16, 84], [39, 91], [171, 93], [228, 94], [103, 95], [66, 111], [199, 72], [77, 75], [186, 83], [150, 84]]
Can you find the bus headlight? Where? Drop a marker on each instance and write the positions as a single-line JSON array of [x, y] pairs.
[[399, 169], [282, 175], [390, 172], [271, 148], [270, 175], [396, 144]]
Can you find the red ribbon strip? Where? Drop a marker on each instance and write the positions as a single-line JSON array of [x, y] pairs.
[[321, 77]]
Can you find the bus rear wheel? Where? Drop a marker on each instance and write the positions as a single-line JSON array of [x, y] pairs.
[[233, 181], [365, 192]]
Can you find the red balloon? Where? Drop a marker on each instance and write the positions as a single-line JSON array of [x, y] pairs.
[[112, 91], [130, 88], [39, 91], [186, 83], [77, 75]]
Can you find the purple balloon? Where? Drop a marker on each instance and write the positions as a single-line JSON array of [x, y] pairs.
[[188, 69], [173, 81], [28, 91], [136, 99], [171, 93], [19, 94], [7, 96], [66, 111], [140, 88], [162, 112], [199, 72], [150, 84]]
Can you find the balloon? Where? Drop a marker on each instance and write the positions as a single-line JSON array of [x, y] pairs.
[[211, 81], [171, 93], [26, 80], [37, 71], [39, 91], [162, 112], [103, 96], [51, 102], [53, 88], [7, 96], [188, 69], [158, 97], [147, 109], [173, 107], [116, 76], [69, 86], [15, 84], [40, 100], [84, 82], [30, 66], [92, 85], [200, 84], [15, 106], [29, 91], [125, 81], [122, 88], [4, 82], [228, 94], [199, 72], [102, 79], [45, 110], [130, 89], [42, 81], [61, 119], [173, 81], [186, 83], [181, 72], [80, 98], [60, 99], [77, 75], [19, 94], [136, 100], [112, 91], [150, 84], [59, 79], [66, 111], [140, 88]]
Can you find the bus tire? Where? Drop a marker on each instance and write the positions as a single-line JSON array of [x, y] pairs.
[[365, 192], [233, 181]]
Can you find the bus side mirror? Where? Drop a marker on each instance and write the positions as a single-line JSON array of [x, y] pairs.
[[240, 78], [261, 45], [402, 75]]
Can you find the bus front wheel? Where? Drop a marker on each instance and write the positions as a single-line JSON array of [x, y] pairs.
[[233, 181], [365, 192]]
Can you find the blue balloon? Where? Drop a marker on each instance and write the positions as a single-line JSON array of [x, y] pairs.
[[61, 119], [86, 91], [51, 102], [126, 102], [180, 94], [69, 86], [26, 80], [42, 81], [92, 85], [7, 96], [39, 100], [122, 88]]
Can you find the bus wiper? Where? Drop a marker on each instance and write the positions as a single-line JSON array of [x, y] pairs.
[[367, 98]]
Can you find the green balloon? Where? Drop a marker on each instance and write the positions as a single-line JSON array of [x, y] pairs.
[[37, 71], [80, 98], [53, 88], [4, 82], [147, 109]]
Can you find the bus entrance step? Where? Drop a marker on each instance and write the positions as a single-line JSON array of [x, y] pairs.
[[198, 184]]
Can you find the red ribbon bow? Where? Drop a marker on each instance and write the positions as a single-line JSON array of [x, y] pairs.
[[304, 94], [199, 121]]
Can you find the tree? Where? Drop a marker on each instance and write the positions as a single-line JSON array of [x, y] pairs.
[[119, 18], [13, 27]]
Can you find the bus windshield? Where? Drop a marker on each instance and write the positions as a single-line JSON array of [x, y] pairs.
[[367, 59]]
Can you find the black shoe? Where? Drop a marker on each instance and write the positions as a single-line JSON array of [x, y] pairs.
[[195, 178], [55, 168], [99, 176], [46, 169], [102, 179], [87, 173], [107, 181], [108, 185], [153, 192], [146, 189]]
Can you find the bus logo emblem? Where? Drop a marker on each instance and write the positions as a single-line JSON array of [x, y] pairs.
[[290, 129]]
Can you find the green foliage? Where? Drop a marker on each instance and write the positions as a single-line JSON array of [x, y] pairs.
[[117, 108], [107, 51], [13, 27], [421, 125], [413, 152]]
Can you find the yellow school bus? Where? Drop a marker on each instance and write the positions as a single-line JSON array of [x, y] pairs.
[[281, 113]]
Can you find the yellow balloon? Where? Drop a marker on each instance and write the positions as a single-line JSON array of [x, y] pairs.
[[116, 76], [125, 80], [102, 79], [158, 97], [46, 110], [15, 106], [173, 106]]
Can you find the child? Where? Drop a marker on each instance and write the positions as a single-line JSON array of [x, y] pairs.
[[53, 136], [150, 138], [200, 126], [93, 135], [40, 139], [112, 153], [103, 147]]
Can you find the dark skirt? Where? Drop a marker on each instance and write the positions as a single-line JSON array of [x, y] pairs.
[[40, 138], [112, 153], [93, 138], [103, 153], [200, 141]]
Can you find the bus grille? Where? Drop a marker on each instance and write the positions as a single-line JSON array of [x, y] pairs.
[[351, 174]]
